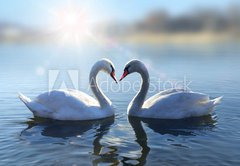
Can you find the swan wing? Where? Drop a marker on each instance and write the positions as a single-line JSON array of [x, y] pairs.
[[155, 97], [58, 99], [179, 105], [85, 98], [63, 105]]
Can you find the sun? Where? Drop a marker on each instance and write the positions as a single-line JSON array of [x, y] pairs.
[[72, 24]]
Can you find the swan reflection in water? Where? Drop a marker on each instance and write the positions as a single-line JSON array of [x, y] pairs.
[[65, 130], [181, 127]]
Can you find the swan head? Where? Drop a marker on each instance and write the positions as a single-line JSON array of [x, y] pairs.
[[107, 66], [133, 66]]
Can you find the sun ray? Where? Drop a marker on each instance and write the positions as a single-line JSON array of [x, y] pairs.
[[72, 24]]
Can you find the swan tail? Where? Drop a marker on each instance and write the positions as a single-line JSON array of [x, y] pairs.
[[217, 101], [211, 105], [27, 101], [24, 99], [35, 107], [208, 106]]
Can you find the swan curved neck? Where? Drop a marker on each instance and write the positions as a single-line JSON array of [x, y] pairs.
[[102, 99], [139, 99]]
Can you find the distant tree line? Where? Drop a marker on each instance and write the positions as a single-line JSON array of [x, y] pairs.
[[160, 21]]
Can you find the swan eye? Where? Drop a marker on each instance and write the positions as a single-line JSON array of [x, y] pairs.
[[126, 68]]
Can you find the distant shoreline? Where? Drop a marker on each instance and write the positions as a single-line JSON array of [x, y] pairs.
[[180, 38], [138, 38]]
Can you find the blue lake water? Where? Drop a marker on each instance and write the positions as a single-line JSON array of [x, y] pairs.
[[210, 140]]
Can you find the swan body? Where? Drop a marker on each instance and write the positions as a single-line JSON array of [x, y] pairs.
[[73, 104], [168, 104]]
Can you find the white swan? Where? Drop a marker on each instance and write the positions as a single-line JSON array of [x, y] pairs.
[[73, 104], [168, 104]]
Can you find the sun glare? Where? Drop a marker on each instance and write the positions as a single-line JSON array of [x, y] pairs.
[[72, 25]]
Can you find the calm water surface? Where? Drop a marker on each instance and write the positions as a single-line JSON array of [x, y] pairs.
[[209, 140]]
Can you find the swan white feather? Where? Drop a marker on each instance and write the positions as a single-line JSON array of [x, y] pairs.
[[73, 104], [168, 104]]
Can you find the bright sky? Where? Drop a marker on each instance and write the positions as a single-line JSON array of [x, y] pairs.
[[38, 13]]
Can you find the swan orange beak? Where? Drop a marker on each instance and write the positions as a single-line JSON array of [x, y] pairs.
[[124, 74], [113, 76]]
